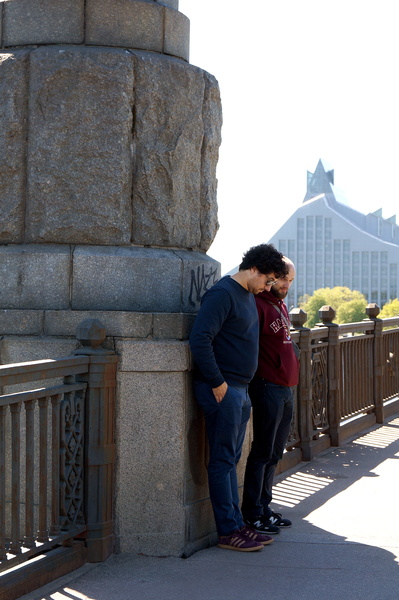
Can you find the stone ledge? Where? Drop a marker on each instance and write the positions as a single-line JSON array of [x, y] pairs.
[[116, 323], [34, 277], [137, 24], [15, 349], [155, 326], [177, 34], [125, 23], [130, 279], [43, 22], [21, 322]]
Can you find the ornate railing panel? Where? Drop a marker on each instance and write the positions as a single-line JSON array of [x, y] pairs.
[[319, 387], [348, 374], [357, 375], [56, 463], [41, 474], [390, 344]]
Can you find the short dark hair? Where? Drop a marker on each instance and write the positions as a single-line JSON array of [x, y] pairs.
[[266, 259]]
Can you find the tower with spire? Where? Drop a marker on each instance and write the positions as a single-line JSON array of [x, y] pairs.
[[334, 245]]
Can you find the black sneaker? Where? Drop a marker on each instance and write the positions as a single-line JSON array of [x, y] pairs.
[[277, 520], [263, 525]]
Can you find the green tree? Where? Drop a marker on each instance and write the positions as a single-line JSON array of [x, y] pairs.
[[336, 297], [352, 311], [390, 309]]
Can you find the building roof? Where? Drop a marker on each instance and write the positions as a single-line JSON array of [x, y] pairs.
[[321, 182]]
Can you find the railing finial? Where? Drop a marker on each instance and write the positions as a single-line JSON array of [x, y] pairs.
[[327, 314], [298, 317], [372, 310], [91, 334]]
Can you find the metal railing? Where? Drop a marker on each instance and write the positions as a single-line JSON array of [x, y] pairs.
[[349, 378], [56, 450]]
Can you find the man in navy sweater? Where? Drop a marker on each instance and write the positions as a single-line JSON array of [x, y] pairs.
[[224, 343], [272, 397]]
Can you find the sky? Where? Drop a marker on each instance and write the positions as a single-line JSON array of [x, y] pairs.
[[299, 80]]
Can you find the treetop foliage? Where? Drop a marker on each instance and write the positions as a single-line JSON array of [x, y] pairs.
[[349, 305], [390, 309]]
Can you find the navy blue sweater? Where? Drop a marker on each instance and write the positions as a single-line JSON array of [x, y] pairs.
[[225, 335]]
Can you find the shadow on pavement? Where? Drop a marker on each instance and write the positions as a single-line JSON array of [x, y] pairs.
[[344, 542]]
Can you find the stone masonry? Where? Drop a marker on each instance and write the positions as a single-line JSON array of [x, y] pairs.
[[109, 142]]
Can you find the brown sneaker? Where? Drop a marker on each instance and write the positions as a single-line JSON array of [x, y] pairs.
[[257, 537], [238, 540]]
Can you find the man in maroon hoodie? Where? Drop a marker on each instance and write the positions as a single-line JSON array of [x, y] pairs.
[[272, 397]]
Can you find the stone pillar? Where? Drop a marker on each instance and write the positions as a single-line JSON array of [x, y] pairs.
[[109, 144]]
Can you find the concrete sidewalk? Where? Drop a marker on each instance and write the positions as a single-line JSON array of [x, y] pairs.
[[344, 542]]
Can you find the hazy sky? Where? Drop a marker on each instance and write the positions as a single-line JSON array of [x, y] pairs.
[[300, 80]]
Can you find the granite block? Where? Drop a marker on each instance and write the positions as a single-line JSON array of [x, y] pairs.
[[197, 453], [176, 34], [170, 188], [17, 349], [200, 273], [79, 152], [122, 324], [149, 467], [21, 322], [34, 277], [14, 73], [152, 355], [125, 23], [172, 325], [43, 22], [126, 278], [210, 155]]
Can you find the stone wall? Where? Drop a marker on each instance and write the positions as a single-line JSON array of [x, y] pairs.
[[107, 208]]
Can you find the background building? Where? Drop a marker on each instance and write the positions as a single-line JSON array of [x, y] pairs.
[[335, 245]]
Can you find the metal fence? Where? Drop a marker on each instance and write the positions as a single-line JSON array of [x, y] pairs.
[[56, 465], [349, 379]]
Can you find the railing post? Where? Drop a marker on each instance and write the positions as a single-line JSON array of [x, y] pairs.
[[304, 391], [372, 311], [327, 315], [99, 439]]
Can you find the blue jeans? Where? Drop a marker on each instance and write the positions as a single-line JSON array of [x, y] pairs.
[[226, 422], [273, 407]]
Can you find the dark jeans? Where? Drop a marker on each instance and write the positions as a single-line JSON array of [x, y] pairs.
[[226, 422], [273, 407]]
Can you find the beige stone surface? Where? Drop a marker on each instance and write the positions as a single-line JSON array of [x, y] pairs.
[[79, 153], [13, 132]]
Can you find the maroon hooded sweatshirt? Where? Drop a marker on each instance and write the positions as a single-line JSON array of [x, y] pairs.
[[277, 361]]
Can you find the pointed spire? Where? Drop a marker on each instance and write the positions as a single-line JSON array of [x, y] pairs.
[[320, 181]]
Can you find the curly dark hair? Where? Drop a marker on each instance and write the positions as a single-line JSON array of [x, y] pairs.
[[266, 259]]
